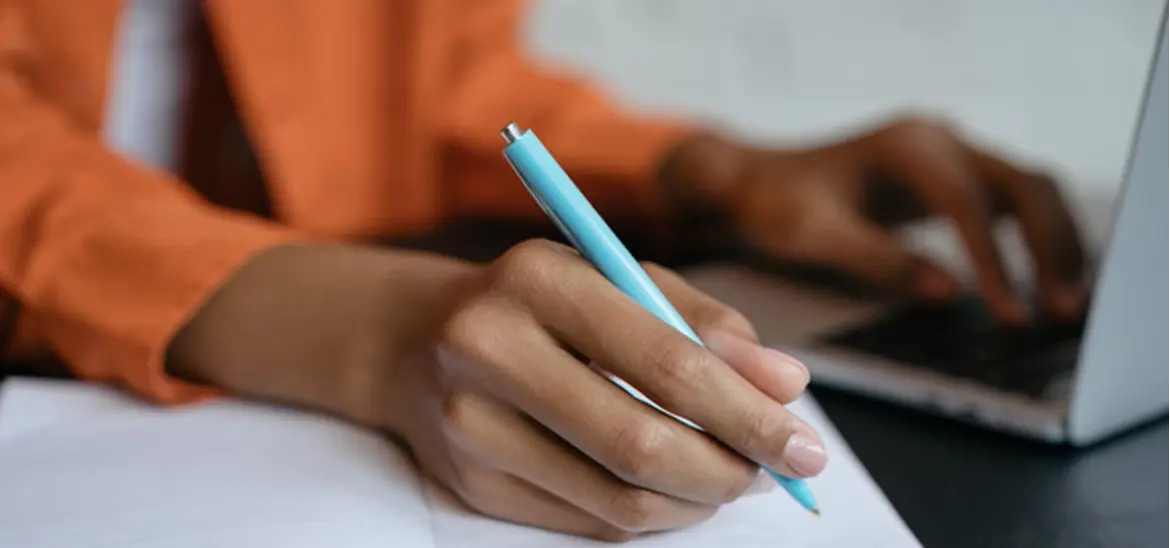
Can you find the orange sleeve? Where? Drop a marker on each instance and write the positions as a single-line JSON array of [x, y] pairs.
[[612, 154], [106, 259]]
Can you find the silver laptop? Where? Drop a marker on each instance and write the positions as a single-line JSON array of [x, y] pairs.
[[1073, 384]]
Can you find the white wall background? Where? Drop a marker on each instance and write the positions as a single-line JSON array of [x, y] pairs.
[[1049, 81]]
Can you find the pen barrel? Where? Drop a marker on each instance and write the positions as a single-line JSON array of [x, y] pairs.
[[576, 218]]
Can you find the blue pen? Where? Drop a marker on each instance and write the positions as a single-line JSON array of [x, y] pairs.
[[584, 228]]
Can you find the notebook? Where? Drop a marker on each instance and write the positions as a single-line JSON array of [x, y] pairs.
[[82, 465]]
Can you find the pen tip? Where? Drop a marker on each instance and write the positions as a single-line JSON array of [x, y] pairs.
[[816, 512]]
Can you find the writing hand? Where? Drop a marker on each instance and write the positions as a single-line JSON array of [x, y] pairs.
[[503, 407]]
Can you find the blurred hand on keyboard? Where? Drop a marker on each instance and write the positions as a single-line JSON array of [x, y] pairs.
[[832, 206]]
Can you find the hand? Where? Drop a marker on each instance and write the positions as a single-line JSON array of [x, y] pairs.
[[831, 205], [484, 372], [501, 407]]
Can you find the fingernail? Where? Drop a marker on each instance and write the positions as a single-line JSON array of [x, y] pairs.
[[762, 485], [805, 455]]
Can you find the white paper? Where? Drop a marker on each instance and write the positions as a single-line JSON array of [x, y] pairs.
[[855, 514], [32, 405], [228, 474], [81, 463]]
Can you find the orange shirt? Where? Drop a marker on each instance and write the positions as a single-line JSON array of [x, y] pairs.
[[369, 117]]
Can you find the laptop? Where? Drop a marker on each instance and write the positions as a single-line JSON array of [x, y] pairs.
[[1062, 383]]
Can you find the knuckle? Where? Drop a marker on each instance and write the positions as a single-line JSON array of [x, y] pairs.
[[965, 201], [534, 249], [634, 510], [676, 366], [476, 491], [721, 317], [530, 263], [918, 128], [760, 432], [462, 328], [742, 481], [1043, 188], [640, 451], [458, 416], [473, 340], [659, 272], [914, 135]]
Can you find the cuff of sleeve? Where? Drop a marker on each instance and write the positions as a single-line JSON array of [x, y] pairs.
[[122, 294]]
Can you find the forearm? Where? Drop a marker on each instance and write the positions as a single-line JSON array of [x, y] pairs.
[[105, 257], [301, 323]]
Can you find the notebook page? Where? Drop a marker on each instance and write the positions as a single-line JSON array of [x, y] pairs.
[[855, 514], [31, 405], [224, 474]]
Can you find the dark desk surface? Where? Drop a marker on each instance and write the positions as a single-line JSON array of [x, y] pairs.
[[958, 486]]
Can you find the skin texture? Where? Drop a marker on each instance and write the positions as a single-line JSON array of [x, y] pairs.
[[488, 373]]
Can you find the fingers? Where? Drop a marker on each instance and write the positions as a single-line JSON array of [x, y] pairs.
[[523, 365], [700, 310], [730, 337], [838, 237], [1049, 231], [680, 375], [937, 165], [511, 499], [776, 374], [881, 259], [961, 182], [692, 382], [633, 441], [539, 467]]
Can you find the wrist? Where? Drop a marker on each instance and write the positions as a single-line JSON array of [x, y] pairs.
[[317, 326]]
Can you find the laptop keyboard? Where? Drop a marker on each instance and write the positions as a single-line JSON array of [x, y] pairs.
[[963, 340]]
